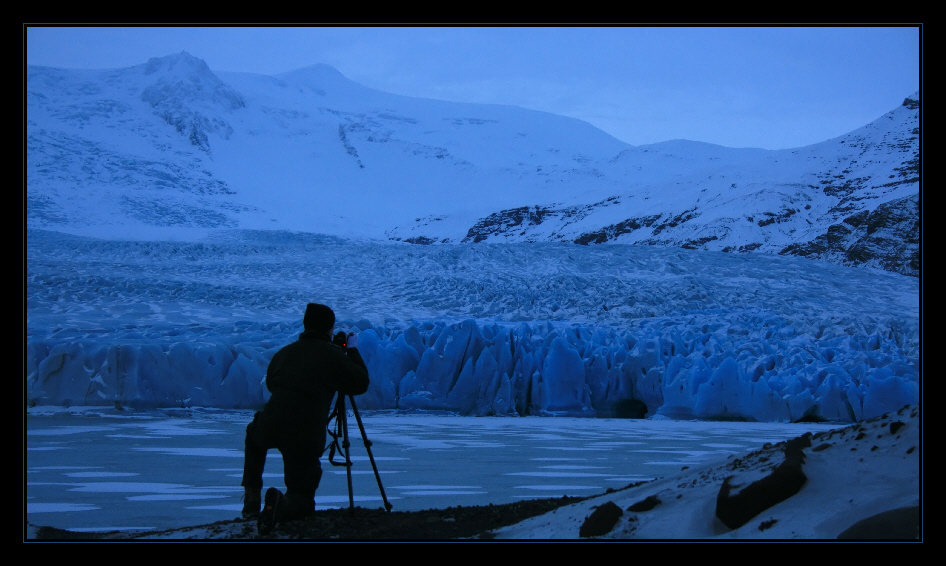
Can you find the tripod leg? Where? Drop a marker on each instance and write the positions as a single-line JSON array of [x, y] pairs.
[[364, 437], [346, 444]]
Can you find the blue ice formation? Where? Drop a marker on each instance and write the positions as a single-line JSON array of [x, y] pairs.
[[713, 366]]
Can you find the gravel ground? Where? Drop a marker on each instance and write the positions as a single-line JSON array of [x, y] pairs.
[[351, 524]]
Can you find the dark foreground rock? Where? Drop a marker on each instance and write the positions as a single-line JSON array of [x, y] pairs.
[[896, 524], [353, 524], [735, 507], [601, 521]]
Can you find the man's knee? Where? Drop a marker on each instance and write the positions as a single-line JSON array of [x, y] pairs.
[[257, 435]]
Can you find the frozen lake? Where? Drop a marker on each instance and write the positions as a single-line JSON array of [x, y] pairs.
[[99, 470]]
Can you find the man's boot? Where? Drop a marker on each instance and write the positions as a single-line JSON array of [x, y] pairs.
[[297, 505], [272, 511], [252, 499]]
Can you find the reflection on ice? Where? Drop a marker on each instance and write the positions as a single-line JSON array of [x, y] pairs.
[[66, 430], [173, 497], [99, 474], [560, 474], [194, 479], [60, 507], [556, 488], [208, 452]]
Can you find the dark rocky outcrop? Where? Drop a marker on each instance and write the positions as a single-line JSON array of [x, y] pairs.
[[614, 230], [737, 509], [645, 504], [887, 237], [504, 221], [896, 524], [601, 521]]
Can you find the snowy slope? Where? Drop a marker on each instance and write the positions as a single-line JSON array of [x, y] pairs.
[[170, 147], [855, 483]]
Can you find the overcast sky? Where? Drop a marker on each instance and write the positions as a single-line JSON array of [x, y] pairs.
[[768, 87]]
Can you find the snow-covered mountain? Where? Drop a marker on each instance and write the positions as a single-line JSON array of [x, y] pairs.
[[170, 146], [306, 187]]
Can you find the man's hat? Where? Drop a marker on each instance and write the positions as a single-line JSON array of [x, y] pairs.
[[318, 317]]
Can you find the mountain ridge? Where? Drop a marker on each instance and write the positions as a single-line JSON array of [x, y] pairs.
[[170, 146]]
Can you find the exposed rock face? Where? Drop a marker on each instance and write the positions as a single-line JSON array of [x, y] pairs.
[[887, 237], [853, 200], [185, 89], [506, 220], [619, 229]]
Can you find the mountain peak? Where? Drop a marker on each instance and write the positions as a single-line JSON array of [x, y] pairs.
[[318, 69], [318, 76], [183, 77], [912, 102], [180, 62], [323, 69]]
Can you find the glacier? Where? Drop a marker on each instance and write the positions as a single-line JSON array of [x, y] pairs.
[[519, 329], [177, 221]]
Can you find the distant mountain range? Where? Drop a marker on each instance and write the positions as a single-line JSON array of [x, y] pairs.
[[169, 147]]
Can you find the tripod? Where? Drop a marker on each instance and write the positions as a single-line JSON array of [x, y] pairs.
[[341, 431]]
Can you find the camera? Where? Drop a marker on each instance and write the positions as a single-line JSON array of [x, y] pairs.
[[340, 339]]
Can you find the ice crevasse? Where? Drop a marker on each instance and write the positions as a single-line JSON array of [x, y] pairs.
[[714, 366]]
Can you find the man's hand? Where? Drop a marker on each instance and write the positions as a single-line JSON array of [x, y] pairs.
[[346, 341]]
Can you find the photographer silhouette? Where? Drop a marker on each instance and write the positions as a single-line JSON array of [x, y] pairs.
[[303, 378]]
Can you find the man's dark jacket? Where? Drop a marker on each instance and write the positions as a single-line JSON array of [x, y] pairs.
[[303, 378]]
